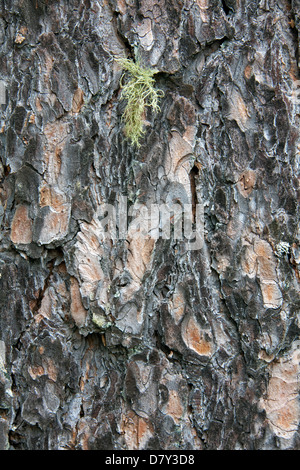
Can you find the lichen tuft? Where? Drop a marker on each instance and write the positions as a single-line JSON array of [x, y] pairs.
[[139, 92]]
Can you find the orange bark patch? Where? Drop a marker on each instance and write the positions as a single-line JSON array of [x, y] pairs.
[[46, 307], [260, 261], [136, 430], [174, 407], [122, 6], [38, 105], [266, 270], [238, 110], [36, 371], [281, 404], [248, 71], [78, 311], [51, 369], [195, 339], [263, 248], [49, 197], [139, 257], [271, 293], [247, 182], [48, 368], [21, 227], [77, 101]]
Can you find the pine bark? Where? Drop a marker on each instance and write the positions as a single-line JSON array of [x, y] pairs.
[[137, 343]]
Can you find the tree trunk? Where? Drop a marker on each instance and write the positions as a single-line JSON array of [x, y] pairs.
[[127, 340]]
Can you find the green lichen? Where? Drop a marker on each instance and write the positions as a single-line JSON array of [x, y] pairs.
[[100, 321], [139, 93]]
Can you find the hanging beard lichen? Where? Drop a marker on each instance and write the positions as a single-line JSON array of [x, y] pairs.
[[139, 92]]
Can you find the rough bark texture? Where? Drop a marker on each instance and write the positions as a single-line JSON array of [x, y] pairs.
[[135, 343]]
